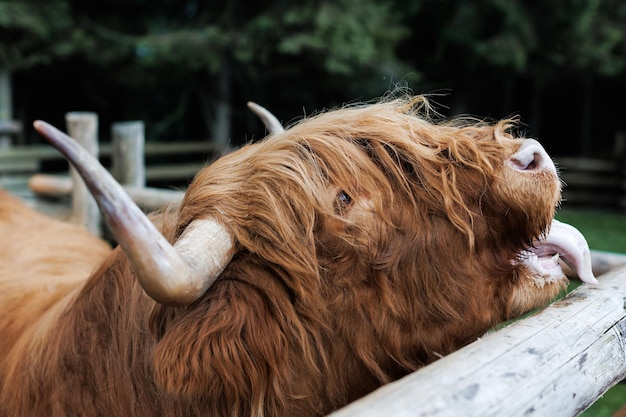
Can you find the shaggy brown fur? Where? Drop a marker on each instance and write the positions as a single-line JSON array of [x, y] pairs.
[[370, 241], [43, 263]]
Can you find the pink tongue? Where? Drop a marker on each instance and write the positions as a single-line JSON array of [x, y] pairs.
[[572, 247]]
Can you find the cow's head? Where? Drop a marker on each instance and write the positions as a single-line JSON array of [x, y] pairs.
[[406, 237]]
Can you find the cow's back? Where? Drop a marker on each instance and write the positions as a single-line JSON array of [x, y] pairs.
[[42, 262]]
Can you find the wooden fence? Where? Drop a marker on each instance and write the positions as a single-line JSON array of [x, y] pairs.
[[25, 160], [127, 152]]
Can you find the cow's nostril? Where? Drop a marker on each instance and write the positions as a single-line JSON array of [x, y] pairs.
[[531, 157], [526, 161]]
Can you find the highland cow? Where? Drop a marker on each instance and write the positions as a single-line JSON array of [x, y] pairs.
[[298, 274]]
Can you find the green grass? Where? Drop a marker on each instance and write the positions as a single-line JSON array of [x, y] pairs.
[[603, 231], [608, 404]]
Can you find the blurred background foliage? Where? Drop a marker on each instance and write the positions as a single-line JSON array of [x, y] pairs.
[[187, 67]]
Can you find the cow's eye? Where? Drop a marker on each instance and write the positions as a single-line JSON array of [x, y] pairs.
[[342, 201]]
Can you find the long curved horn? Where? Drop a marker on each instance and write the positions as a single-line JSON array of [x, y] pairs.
[[269, 120], [172, 275]]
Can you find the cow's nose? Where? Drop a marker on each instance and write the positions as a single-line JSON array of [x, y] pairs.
[[531, 157]]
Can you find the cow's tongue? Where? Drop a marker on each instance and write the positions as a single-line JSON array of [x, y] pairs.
[[567, 242]]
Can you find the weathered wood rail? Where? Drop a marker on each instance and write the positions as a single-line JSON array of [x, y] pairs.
[[554, 363]]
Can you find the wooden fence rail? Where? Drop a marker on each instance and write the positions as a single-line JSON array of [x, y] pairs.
[[555, 363]]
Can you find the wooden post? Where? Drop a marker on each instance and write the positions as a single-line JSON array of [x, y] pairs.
[[83, 127], [554, 363], [6, 110], [9, 129], [128, 163]]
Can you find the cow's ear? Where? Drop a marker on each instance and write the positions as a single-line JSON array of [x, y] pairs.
[[227, 346]]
